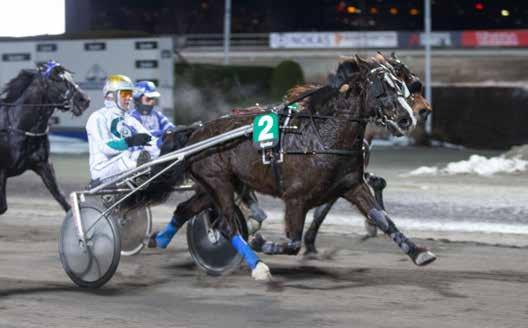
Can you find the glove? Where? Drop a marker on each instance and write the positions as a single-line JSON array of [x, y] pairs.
[[140, 139]]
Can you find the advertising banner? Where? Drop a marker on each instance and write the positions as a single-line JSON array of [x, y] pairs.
[[505, 38], [438, 39], [383, 39]]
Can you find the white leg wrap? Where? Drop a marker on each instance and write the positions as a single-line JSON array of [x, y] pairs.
[[261, 272]]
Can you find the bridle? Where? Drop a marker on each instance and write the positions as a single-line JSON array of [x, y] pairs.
[[386, 79], [67, 103]]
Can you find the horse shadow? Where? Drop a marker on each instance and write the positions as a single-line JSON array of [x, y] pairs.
[[21, 287], [308, 277]]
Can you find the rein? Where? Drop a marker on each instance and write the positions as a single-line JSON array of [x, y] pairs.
[[29, 133], [14, 104], [65, 104]]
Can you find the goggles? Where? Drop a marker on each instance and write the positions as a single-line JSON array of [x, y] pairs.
[[125, 93]]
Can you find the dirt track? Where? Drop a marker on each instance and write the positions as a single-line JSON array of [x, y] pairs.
[[356, 284]]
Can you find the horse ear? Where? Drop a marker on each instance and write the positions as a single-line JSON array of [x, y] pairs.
[[393, 55], [41, 67]]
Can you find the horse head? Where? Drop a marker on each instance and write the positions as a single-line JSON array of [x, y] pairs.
[[385, 95], [420, 106], [61, 89]]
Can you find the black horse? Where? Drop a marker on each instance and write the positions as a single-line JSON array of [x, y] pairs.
[[323, 160], [28, 102]]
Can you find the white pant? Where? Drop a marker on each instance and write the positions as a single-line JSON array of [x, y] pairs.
[[123, 162]]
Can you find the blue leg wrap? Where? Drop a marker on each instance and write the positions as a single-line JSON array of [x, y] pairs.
[[164, 236], [243, 249]]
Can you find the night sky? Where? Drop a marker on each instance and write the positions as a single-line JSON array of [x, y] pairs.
[[258, 16]]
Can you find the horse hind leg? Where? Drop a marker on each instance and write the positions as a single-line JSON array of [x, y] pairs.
[[3, 200], [47, 174], [366, 203]]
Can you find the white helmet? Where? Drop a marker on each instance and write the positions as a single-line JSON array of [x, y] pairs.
[[115, 84]]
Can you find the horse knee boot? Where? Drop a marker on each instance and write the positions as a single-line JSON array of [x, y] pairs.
[[419, 255]]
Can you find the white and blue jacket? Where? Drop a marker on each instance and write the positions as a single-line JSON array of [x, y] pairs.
[[155, 122]]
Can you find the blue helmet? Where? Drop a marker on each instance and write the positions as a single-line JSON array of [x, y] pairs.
[[46, 68], [146, 88]]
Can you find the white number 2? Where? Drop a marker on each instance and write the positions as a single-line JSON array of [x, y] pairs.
[[265, 134]]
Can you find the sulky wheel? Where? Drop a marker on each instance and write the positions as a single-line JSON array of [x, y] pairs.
[[210, 250], [92, 264], [135, 226]]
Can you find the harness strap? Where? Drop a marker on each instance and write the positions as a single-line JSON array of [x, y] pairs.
[[277, 172], [14, 104], [337, 152], [31, 134]]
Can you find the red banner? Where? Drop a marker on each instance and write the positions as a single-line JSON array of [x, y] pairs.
[[506, 38]]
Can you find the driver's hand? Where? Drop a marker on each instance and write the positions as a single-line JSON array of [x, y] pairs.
[[140, 139]]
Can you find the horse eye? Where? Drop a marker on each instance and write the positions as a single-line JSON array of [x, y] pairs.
[[415, 87]]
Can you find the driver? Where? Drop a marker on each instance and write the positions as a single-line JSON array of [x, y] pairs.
[[117, 141], [146, 99]]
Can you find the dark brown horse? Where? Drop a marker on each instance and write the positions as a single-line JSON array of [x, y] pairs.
[[323, 159], [28, 102], [421, 108]]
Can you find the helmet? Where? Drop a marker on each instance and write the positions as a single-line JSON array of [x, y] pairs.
[[48, 67], [146, 88], [115, 84]]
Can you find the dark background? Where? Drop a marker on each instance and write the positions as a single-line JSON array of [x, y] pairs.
[[258, 16]]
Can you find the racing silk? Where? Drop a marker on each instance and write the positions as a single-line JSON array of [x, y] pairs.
[[107, 129], [155, 122]]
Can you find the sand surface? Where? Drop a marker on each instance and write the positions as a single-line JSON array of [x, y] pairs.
[[480, 279]]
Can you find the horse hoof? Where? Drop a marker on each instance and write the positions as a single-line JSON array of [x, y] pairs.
[[424, 257], [311, 255], [261, 272], [371, 229]]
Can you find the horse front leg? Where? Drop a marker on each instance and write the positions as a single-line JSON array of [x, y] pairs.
[[3, 200], [47, 174], [294, 217], [319, 215], [367, 204], [376, 182]]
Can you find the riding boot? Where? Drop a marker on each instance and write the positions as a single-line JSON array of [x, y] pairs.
[[161, 239]]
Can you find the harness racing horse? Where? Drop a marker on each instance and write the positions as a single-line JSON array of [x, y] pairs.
[[323, 160], [421, 109], [28, 102]]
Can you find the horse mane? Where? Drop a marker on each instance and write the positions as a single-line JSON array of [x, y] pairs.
[[349, 70], [17, 85]]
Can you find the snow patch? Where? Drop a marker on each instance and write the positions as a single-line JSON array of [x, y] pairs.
[[476, 164]]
